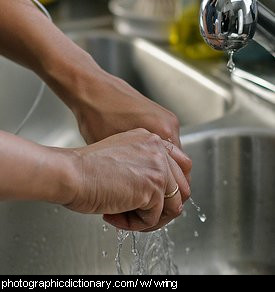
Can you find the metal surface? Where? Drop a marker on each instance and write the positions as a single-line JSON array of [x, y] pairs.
[[233, 183], [229, 24], [141, 18], [232, 176]]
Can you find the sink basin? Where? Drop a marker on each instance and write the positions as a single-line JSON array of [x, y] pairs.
[[233, 183], [231, 178]]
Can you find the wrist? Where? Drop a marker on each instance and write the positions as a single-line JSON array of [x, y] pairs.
[[61, 177], [68, 74]]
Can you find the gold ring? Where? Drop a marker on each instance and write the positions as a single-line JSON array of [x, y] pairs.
[[171, 195]]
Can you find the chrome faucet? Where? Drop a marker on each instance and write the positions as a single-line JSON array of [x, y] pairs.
[[229, 24]]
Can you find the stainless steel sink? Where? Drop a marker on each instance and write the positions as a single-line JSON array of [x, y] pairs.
[[233, 182], [232, 176]]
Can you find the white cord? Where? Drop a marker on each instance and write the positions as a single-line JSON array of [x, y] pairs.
[[43, 85]]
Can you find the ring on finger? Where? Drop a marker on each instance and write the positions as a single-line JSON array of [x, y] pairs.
[[172, 194]]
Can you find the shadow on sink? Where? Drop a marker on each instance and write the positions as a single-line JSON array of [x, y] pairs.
[[233, 182]]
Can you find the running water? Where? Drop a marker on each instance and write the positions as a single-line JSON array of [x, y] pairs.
[[121, 237], [231, 65], [152, 253]]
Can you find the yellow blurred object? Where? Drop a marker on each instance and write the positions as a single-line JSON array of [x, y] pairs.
[[185, 35], [45, 2]]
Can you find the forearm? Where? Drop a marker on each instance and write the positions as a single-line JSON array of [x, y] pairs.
[[32, 172], [28, 37]]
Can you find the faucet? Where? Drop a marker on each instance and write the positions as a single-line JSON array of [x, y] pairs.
[[228, 25]]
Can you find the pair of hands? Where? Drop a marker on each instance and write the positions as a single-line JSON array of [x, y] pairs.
[[126, 175], [127, 172]]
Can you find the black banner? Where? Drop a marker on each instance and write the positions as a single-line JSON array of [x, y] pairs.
[[105, 282]]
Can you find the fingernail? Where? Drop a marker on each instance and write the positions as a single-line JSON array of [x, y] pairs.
[[180, 209]]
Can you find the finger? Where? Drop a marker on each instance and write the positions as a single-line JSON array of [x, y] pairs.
[[188, 178], [137, 220], [184, 162], [164, 221], [172, 207], [125, 221], [180, 179]]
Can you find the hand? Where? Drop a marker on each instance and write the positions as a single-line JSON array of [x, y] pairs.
[[112, 106], [126, 177]]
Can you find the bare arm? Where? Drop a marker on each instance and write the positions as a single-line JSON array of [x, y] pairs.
[[30, 171], [124, 177]]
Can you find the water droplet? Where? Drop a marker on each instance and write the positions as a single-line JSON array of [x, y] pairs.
[[225, 182], [44, 239], [105, 227], [202, 217], [231, 65], [104, 253], [135, 252], [195, 205], [196, 233], [56, 210], [187, 250]]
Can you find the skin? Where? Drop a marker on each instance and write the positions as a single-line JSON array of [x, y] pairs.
[[129, 165]]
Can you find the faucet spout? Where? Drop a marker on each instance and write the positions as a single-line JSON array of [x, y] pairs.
[[229, 24]]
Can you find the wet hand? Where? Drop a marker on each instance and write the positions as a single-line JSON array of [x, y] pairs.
[[127, 176]]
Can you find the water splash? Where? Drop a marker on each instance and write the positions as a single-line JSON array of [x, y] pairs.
[[231, 65], [152, 253], [121, 237], [104, 254], [105, 227], [195, 205], [202, 217]]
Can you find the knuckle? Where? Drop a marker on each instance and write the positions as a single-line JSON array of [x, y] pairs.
[[154, 139], [145, 200], [141, 131], [172, 126]]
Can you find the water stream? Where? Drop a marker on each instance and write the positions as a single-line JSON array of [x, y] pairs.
[[152, 253]]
